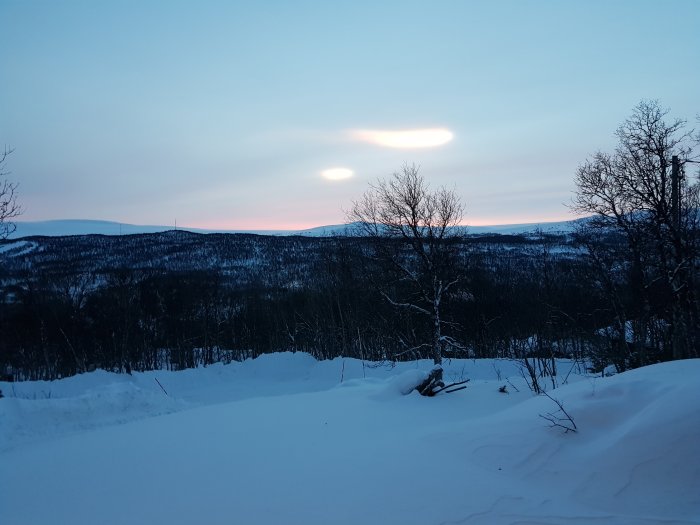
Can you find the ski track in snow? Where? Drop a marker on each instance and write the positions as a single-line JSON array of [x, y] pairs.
[[18, 248]]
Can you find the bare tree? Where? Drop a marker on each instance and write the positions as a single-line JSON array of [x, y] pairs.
[[9, 209], [641, 192], [416, 233]]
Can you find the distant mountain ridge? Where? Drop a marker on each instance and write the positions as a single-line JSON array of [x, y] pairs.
[[66, 227]]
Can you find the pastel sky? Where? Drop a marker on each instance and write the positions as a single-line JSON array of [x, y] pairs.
[[227, 114]]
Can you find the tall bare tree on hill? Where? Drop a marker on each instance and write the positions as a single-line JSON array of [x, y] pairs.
[[416, 230], [643, 192]]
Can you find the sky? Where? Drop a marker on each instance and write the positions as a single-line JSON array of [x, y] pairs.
[[228, 114]]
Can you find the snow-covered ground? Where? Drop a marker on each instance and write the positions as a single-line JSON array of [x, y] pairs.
[[285, 439]]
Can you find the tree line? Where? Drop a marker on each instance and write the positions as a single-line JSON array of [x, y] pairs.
[[407, 283], [520, 296]]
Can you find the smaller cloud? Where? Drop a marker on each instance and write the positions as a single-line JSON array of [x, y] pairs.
[[337, 173], [404, 139]]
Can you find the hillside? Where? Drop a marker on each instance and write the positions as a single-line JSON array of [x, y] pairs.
[[65, 227]]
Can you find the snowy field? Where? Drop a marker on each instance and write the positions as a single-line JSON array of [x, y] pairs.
[[285, 439]]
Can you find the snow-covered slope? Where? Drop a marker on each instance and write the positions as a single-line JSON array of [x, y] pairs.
[[86, 227], [58, 228], [282, 439]]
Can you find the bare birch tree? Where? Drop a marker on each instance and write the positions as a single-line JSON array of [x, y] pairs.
[[641, 191], [417, 233], [9, 209]]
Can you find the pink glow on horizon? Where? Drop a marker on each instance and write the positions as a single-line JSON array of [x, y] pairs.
[[252, 225], [272, 224], [504, 221]]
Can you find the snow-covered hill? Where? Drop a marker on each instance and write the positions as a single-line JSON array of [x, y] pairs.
[[287, 439], [57, 228]]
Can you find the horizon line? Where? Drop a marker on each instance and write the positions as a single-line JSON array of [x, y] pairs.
[[175, 226]]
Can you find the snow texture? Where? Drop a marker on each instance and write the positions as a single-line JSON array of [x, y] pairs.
[[285, 439]]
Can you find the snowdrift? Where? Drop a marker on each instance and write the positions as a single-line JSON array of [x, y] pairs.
[[287, 439]]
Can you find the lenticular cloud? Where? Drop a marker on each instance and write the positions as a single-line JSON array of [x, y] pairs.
[[404, 139]]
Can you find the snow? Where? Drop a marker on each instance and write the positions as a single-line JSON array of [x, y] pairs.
[[286, 439], [65, 227], [18, 248], [53, 228]]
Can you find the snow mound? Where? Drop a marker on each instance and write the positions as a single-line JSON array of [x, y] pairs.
[[401, 384], [287, 439], [635, 453], [643, 440], [28, 420]]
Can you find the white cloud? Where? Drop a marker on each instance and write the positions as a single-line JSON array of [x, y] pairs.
[[404, 139], [337, 173]]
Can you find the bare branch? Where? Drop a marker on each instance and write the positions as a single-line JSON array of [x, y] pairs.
[[564, 420], [405, 305], [9, 208]]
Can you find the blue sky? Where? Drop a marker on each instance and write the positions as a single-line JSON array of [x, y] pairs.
[[225, 114]]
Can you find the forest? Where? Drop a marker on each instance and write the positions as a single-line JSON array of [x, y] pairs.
[[177, 300], [406, 281]]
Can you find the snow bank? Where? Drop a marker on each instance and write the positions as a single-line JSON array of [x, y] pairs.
[[634, 459], [286, 439], [29, 419]]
